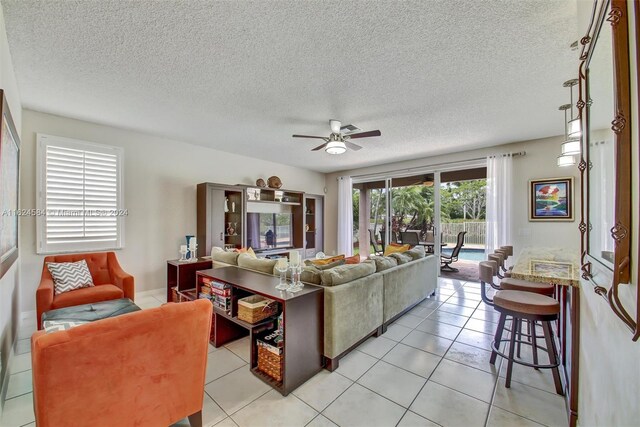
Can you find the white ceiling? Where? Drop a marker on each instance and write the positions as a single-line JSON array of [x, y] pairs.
[[242, 76]]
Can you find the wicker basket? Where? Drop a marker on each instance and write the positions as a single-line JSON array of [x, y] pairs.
[[270, 363], [255, 308]]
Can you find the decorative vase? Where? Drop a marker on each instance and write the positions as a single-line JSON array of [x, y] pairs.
[[189, 237], [233, 206], [230, 229], [235, 229], [274, 182], [226, 204], [260, 183]]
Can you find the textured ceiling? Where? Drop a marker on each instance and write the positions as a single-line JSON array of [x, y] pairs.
[[242, 76]]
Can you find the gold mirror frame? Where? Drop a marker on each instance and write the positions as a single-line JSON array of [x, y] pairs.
[[621, 126]]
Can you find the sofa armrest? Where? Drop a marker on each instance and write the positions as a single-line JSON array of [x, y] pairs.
[[119, 277], [352, 311], [44, 298]]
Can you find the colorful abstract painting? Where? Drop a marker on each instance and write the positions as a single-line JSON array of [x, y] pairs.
[[551, 199]]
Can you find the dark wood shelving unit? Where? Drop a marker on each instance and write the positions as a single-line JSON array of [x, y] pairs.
[[314, 221], [182, 275], [302, 314]]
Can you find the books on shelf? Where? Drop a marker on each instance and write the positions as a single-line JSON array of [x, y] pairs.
[[219, 285]]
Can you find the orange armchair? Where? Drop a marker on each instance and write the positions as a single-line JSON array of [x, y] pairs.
[[111, 282], [145, 368]]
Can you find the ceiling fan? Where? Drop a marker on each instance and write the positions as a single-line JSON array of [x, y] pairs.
[[339, 139]]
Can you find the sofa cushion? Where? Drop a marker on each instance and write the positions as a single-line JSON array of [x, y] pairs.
[[416, 253], [384, 262], [262, 265], [347, 273], [393, 248], [220, 255], [87, 296], [401, 258], [68, 276], [352, 259]]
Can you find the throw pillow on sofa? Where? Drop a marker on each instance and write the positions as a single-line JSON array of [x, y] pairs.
[[384, 262], [220, 255], [347, 273], [393, 248], [326, 261], [308, 263], [248, 251], [416, 253], [402, 258], [352, 259], [263, 265], [69, 276]]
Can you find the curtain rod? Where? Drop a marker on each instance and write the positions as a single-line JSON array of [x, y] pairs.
[[427, 168]]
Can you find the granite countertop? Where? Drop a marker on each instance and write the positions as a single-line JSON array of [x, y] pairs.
[[548, 265]]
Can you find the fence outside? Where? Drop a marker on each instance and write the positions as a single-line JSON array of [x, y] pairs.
[[476, 232]]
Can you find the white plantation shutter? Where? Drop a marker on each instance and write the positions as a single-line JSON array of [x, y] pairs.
[[80, 198]]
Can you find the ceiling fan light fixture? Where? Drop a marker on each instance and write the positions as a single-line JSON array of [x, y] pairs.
[[335, 147], [335, 125]]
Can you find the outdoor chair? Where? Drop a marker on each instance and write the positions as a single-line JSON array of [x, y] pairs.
[[374, 243], [447, 260], [409, 238]]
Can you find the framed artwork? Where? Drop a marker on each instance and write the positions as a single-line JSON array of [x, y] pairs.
[[551, 199], [9, 173]]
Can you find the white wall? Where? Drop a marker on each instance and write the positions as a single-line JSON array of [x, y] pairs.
[[609, 360], [539, 162], [9, 284], [160, 177]]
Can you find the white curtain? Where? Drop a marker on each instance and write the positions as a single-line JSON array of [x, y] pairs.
[[499, 191], [345, 215]]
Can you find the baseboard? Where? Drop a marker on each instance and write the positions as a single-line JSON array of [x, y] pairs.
[[5, 381]]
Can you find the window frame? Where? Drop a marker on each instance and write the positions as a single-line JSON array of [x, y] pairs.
[[42, 248]]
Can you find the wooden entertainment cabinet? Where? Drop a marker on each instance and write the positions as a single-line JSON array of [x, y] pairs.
[[223, 208], [302, 323]]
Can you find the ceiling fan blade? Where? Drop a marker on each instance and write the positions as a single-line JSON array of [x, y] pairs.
[[351, 145], [309, 136], [320, 147], [365, 134]]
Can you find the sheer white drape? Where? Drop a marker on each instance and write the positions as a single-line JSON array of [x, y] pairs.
[[345, 215], [499, 212]]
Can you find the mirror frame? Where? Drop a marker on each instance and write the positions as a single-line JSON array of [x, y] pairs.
[[606, 281]]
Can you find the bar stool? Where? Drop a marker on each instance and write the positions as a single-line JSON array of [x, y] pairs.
[[498, 257], [535, 308], [506, 253]]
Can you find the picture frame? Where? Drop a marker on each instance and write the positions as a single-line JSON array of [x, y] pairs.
[[551, 199], [9, 182]]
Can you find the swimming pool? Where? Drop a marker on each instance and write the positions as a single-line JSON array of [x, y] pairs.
[[467, 254]]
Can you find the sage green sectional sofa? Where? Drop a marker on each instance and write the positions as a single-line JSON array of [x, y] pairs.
[[360, 300]]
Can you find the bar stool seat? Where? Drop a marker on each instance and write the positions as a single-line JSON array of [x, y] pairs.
[[509, 283], [534, 307], [526, 303]]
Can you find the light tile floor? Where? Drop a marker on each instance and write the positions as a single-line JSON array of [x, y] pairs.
[[430, 368]]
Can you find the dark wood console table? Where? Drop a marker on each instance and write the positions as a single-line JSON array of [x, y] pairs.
[[302, 323], [182, 275]]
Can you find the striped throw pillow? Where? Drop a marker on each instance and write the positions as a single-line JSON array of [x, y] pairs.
[[68, 276]]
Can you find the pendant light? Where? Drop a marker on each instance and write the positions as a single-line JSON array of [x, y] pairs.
[[575, 127], [566, 159]]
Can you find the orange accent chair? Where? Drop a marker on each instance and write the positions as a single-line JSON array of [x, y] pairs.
[[110, 280], [145, 368]]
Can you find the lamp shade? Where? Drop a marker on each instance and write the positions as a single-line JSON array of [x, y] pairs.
[[571, 147], [575, 128], [335, 147], [566, 161]]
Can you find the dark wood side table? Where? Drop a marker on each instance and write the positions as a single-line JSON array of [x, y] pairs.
[[303, 317], [182, 275]]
